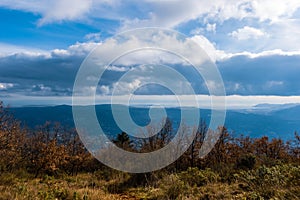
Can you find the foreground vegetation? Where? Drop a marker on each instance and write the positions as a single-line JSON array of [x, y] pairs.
[[277, 182], [50, 162]]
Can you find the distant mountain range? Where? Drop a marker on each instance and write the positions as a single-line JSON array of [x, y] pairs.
[[280, 121]]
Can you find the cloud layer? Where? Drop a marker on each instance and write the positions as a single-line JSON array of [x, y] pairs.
[[53, 73]]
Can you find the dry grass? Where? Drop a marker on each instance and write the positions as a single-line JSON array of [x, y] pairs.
[[83, 186], [89, 186]]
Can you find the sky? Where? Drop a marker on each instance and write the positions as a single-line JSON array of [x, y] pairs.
[[254, 44]]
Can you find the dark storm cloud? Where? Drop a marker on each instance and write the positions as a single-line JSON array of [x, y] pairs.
[[266, 75], [39, 75], [54, 75]]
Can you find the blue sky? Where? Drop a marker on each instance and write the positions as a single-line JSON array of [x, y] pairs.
[[255, 43]]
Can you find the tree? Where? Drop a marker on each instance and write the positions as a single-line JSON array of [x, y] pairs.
[[194, 149], [159, 136], [296, 146], [165, 134], [12, 140], [220, 153], [123, 141], [77, 155], [46, 153]]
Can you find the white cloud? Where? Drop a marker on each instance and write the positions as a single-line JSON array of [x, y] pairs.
[[274, 52], [147, 55], [175, 12], [204, 101], [78, 49], [60, 52], [209, 48], [26, 5], [275, 16], [121, 88], [280, 35], [62, 64], [65, 10], [273, 10], [5, 86], [170, 42], [104, 89], [247, 33], [117, 69], [197, 31], [211, 27], [285, 35], [147, 47], [82, 48], [52, 11], [94, 37], [212, 85], [10, 49], [172, 13], [153, 56], [156, 13]]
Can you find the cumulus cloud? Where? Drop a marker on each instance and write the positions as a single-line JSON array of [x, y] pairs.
[[121, 88], [209, 48], [78, 49], [154, 48], [53, 73], [175, 12], [52, 11], [247, 33], [273, 10], [285, 34], [277, 16], [65, 10], [156, 13], [10, 49]]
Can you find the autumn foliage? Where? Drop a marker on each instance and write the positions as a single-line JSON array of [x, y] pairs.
[[54, 150]]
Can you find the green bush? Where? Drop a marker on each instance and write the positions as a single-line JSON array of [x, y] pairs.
[[54, 193], [294, 176], [193, 177], [173, 187], [267, 182], [211, 176]]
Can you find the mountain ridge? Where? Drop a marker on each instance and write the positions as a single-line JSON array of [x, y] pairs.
[[280, 123]]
